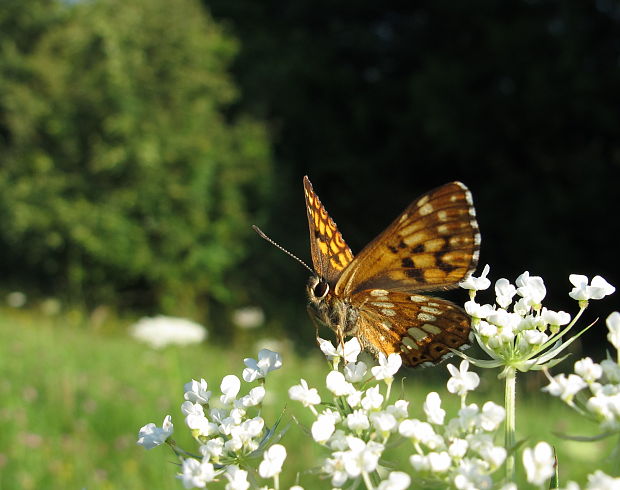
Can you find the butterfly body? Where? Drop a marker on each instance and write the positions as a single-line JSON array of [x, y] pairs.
[[375, 296]]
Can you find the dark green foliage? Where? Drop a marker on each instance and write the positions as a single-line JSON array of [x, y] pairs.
[[380, 101], [119, 170]]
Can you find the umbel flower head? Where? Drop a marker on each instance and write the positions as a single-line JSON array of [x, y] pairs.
[[361, 421], [229, 429], [517, 331]]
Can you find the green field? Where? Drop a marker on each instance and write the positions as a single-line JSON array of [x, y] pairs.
[[72, 398]]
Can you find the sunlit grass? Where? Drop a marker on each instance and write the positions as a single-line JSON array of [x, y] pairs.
[[73, 398]]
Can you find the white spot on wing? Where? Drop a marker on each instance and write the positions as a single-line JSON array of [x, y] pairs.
[[430, 309], [382, 304], [425, 317], [432, 329], [426, 209], [388, 312], [409, 343], [417, 334], [378, 292]]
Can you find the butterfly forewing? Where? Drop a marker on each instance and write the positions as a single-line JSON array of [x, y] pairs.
[[330, 254], [432, 245], [421, 329]]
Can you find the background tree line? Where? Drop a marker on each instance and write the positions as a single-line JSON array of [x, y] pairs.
[[139, 140]]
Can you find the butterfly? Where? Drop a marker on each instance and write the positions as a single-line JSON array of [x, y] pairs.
[[377, 297]]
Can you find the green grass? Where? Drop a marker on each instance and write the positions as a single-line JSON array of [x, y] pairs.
[[72, 399]]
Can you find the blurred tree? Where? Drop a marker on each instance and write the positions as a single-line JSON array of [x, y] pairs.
[[119, 171]]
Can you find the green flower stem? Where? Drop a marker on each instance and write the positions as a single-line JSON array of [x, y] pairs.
[[367, 481], [510, 422]]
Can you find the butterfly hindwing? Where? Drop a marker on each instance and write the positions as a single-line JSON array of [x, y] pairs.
[[421, 329], [330, 253], [432, 245]]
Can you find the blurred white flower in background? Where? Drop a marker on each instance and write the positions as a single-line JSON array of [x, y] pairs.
[[248, 317], [161, 331], [16, 299]]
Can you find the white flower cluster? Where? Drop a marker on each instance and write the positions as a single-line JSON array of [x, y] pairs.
[[358, 425], [161, 331], [229, 429], [523, 333], [598, 384]]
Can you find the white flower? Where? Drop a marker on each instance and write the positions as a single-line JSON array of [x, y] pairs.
[[477, 283], [383, 421], [358, 420], [373, 399], [504, 292], [267, 361], [419, 462], [254, 397], [472, 475], [195, 418], [151, 436], [399, 409], [307, 396], [196, 473], [492, 416], [462, 381], [334, 466], [354, 399], [337, 384], [613, 325], [213, 448], [164, 330], [598, 288], [432, 407], [439, 462], [362, 456], [420, 432], [458, 448], [248, 317], [476, 310], [230, 387], [196, 392], [323, 427], [539, 463], [237, 478], [532, 288], [388, 366], [600, 481], [534, 337], [396, 481], [354, 372], [273, 459], [611, 370], [352, 349], [588, 370], [565, 387], [555, 318]]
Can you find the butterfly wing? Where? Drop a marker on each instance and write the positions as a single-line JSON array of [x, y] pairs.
[[420, 328], [433, 244], [330, 254]]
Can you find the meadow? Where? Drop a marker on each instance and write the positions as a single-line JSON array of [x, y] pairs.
[[73, 394]]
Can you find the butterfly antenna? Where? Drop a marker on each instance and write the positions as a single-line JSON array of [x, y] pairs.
[[265, 237]]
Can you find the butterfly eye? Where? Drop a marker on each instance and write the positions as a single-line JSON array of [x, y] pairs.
[[320, 289]]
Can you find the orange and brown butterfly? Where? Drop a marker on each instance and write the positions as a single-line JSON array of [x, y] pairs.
[[377, 297]]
